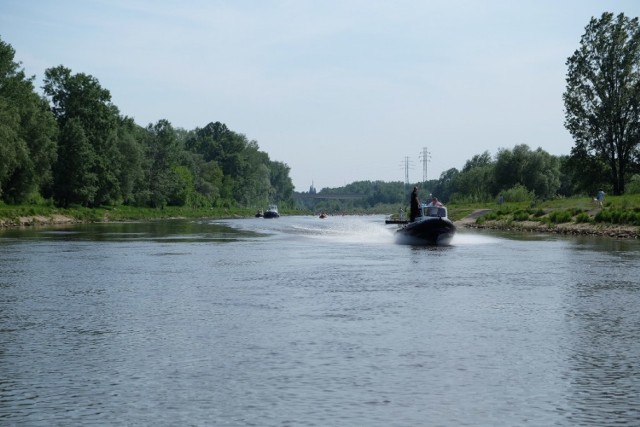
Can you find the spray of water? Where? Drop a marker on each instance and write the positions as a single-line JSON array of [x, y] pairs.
[[346, 229]]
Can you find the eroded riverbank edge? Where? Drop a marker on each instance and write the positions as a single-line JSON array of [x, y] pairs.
[[570, 228]]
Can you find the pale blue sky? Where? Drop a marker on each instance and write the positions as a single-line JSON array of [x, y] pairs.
[[340, 90]]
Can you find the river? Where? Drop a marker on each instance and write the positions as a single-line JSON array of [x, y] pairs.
[[299, 321]]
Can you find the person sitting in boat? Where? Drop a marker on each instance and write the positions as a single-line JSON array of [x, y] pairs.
[[415, 204], [434, 202]]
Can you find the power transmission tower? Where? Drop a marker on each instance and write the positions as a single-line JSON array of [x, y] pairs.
[[407, 166], [426, 158], [406, 170]]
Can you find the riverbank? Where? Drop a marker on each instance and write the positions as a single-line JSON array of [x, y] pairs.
[[587, 228], [36, 216], [581, 221]]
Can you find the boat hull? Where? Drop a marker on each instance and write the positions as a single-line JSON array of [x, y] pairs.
[[429, 231], [269, 214]]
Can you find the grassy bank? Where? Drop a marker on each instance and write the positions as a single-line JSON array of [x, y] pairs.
[[619, 216], [28, 215]]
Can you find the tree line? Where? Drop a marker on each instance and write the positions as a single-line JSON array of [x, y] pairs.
[[73, 147]]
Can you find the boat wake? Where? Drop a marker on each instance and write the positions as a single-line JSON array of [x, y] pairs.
[[347, 229]]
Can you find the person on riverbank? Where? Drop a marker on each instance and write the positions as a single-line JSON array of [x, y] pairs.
[[415, 204], [600, 197]]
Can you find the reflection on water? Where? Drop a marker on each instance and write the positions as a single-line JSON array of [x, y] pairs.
[[302, 321]]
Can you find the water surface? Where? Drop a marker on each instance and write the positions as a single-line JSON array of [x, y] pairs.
[[302, 321]]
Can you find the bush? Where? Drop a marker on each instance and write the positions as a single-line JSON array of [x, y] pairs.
[[576, 211], [558, 217], [613, 216], [583, 217], [520, 215], [518, 193]]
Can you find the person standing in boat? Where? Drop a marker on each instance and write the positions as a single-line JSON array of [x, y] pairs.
[[415, 204], [434, 202]]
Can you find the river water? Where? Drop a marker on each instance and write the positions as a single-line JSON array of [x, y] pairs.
[[299, 321]]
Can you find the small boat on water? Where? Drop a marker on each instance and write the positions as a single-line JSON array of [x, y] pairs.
[[432, 226], [259, 214], [272, 212], [323, 215]]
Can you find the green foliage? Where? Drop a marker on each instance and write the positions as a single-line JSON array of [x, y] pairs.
[[633, 187], [616, 216], [74, 180], [518, 193], [601, 99], [536, 171], [582, 217], [88, 123], [558, 217], [539, 213], [27, 133], [521, 215]]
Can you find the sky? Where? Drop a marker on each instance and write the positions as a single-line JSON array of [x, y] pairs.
[[339, 90]]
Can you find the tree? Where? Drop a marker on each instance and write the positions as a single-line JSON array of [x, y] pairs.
[[281, 185], [27, 133], [602, 99], [131, 161], [80, 97], [447, 184], [75, 181], [162, 151], [476, 181], [538, 171]]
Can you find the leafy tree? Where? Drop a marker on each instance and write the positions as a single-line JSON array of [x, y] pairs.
[[447, 184], [602, 98], [479, 160], [537, 171], [75, 181], [131, 158], [162, 151], [281, 185], [27, 133], [80, 98], [476, 181]]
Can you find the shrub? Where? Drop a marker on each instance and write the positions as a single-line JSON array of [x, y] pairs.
[[518, 193], [583, 217], [576, 211], [520, 215], [614, 216], [558, 217]]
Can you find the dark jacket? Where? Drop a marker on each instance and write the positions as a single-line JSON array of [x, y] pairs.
[[415, 204]]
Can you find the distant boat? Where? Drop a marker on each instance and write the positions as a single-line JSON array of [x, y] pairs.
[[272, 212], [432, 227], [323, 215], [259, 214]]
